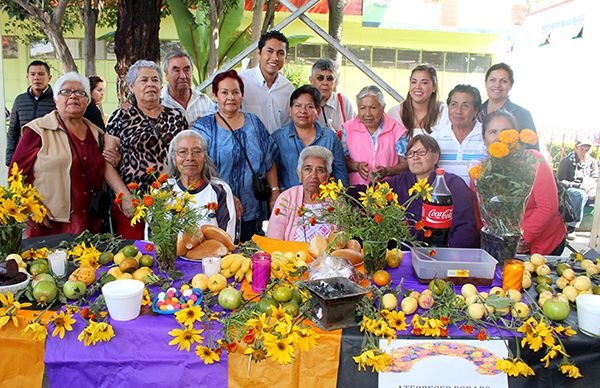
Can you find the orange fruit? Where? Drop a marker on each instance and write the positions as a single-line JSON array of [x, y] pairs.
[[381, 278]]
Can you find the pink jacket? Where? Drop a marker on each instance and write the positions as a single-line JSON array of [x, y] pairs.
[[360, 145], [283, 225]]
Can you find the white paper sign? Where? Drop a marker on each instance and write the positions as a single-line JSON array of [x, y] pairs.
[[444, 364]]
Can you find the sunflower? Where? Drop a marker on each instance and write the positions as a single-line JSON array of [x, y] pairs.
[[16, 177], [498, 150], [396, 319], [38, 331], [87, 335], [104, 333], [509, 136], [553, 352], [208, 355], [189, 315], [421, 187], [62, 322], [570, 370], [306, 338], [140, 212], [14, 210], [279, 349], [256, 354], [362, 358], [331, 189], [528, 136], [185, 337]]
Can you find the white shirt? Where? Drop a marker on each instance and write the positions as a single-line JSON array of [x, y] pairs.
[[331, 110], [271, 105], [442, 121], [457, 157], [199, 105]]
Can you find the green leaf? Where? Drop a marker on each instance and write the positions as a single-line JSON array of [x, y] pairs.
[[296, 40], [109, 36], [190, 33], [498, 302], [228, 27]]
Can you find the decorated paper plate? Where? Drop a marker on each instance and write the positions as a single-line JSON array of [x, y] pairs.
[[173, 300]]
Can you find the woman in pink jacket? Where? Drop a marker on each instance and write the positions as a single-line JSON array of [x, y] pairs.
[[370, 139]]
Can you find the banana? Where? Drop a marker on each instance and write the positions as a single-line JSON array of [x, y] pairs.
[[246, 264], [237, 264], [239, 275], [248, 277], [275, 266], [228, 260], [226, 272]]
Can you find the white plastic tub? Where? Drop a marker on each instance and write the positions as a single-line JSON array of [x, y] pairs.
[[588, 313], [123, 298]]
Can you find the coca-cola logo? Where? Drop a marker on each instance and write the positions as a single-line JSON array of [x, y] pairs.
[[440, 215], [437, 216]]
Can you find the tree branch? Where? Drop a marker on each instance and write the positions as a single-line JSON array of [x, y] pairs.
[[59, 12], [30, 9]]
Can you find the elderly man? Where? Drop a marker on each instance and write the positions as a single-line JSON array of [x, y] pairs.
[[578, 172], [178, 92], [267, 92], [336, 108]]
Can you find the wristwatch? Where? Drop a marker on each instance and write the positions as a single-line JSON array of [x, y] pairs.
[[276, 188]]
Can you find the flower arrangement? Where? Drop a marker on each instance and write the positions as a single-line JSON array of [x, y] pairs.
[[167, 214], [375, 217], [18, 203]]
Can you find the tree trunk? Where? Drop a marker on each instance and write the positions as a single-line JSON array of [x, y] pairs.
[[256, 19], [336, 19], [213, 48], [138, 23], [56, 38], [269, 16], [89, 14]]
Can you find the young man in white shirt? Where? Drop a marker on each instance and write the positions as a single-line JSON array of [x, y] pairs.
[[335, 107], [178, 92], [266, 91]]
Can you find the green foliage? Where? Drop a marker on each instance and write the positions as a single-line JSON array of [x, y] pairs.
[[296, 73], [558, 151]]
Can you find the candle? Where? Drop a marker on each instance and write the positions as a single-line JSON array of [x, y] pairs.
[[512, 274], [261, 271], [58, 262], [211, 265]]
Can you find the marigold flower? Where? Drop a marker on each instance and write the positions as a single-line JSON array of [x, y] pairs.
[[481, 336], [162, 178], [155, 185], [509, 136], [330, 209], [276, 211], [468, 329], [378, 218], [312, 221], [150, 170], [432, 252], [498, 150], [445, 320], [570, 370], [528, 136], [420, 225], [475, 172], [133, 186], [135, 202], [148, 200], [212, 206], [149, 247], [427, 233]]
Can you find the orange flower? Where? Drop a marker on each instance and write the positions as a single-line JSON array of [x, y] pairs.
[[276, 211], [312, 221], [443, 332], [475, 172], [314, 196], [498, 150], [445, 320], [133, 186], [212, 206], [150, 170], [427, 233], [249, 338], [389, 197], [135, 202], [528, 136], [149, 247], [119, 199], [162, 178], [419, 225], [155, 185], [417, 331], [378, 218], [468, 329], [148, 200], [330, 209], [432, 252], [509, 136], [481, 336]]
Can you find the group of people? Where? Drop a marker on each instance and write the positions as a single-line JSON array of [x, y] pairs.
[[257, 126]]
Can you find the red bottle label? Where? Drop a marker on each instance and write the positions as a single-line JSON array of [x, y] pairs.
[[437, 217]]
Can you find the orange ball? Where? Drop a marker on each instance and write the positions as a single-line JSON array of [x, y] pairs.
[[381, 278]]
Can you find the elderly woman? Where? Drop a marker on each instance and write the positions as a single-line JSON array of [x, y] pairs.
[[236, 139], [460, 140], [423, 155], [543, 228], [370, 140], [314, 167], [144, 131], [61, 155], [190, 164], [304, 131]]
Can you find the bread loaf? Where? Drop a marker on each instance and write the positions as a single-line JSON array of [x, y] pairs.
[[207, 248], [212, 232]]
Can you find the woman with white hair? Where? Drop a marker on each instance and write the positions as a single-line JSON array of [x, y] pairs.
[[314, 167], [370, 139], [144, 131], [61, 155], [195, 174]]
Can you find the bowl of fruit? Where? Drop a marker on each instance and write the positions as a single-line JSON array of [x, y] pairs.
[[173, 300]]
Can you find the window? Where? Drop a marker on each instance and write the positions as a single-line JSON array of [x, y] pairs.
[[100, 50], [363, 53], [384, 57], [308, 52], [479, 63], [74, 46], [457, 62], [10, 47], [434, 58], [408, 59], [41, 50]]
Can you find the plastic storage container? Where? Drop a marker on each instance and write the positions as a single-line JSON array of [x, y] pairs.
[[334, 302], [588, 314], [457, 265]]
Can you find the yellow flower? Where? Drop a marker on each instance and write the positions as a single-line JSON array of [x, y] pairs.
[[279, 349], [553, 352], [566, 331], [331, 189], [16, 177], [11, 309], [362, 358], [421, 187], [38, 331], [12, 209], [524, 369], [498, 150], [62, 322], [146, 300], [279, 314], [32, 254], [475, 172], [256, 354], [379, 362], [536, 334], [306, 338], [139, 214], [189, 315], [507, 366], [509, 136], [528, 136], [396, 319], [185, 337], [259, 324], [104, 333], [208, 355], [570, 370], [87, 335]]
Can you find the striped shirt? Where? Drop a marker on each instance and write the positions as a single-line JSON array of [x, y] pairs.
[[456, 157]]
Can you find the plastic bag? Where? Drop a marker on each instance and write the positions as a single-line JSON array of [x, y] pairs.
[[325, 267]]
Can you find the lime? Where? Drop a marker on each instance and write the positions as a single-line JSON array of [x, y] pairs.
[[129, 251], [106, 258], [38, 268], [543, 279], [297, 297], [543, 287], [291, 308], [147, 261], [264, 305], [282, 294], [561, 267]]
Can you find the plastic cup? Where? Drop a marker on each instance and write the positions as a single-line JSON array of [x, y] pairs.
[[58, 262], [588, 313], [211, 265], [123, 298], [261, 272], [512, 274]]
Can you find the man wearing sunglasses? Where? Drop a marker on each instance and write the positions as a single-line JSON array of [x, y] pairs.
[[335, 107]]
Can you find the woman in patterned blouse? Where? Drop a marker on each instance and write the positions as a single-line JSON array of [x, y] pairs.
[[144, 130]]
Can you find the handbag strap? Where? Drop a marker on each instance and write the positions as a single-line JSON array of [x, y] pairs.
[[239, 142]]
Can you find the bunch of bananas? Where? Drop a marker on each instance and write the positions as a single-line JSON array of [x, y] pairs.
[[237, 266], [282, 264]]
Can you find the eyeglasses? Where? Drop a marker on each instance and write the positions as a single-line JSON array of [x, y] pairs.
[[329, 78], [194, 152], [412, 154], [68, 92]]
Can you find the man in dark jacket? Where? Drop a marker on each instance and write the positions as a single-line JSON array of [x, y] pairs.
[[36, 102]]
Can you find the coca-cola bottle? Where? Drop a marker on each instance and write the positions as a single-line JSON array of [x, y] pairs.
[[437, 213]]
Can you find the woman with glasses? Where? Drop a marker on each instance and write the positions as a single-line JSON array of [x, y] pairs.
[[314, 167], [61, 155], [370, 140], [194, 173], [422, 155], [144, 131]]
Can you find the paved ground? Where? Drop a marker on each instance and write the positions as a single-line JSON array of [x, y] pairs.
[[581, 241]]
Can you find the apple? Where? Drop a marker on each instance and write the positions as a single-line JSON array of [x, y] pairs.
[[230, 298], [556, 309], [217, 282]]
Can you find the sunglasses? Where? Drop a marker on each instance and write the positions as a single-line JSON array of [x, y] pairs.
[[329, 78]]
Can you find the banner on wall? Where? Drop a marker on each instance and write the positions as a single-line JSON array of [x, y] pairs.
[[439, 15]]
